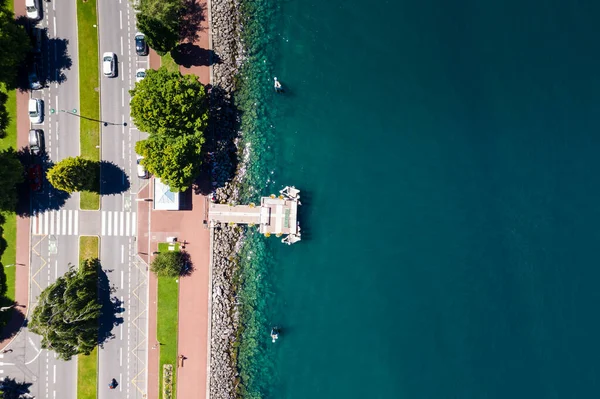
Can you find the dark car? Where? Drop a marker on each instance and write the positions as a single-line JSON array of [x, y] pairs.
[[141, 48], [34, 175], [36, 141]]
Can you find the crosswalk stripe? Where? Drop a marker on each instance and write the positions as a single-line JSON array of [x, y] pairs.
[[63, 216], [34, 224], [52, 214], [58, 221], [46, 223], [103, 223], [109, 232], [127, 223], [133, 224], [121, 223], [76, 224], [116, 222], [70, 222]]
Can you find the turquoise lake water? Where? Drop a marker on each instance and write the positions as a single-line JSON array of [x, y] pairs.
[[448, 157]]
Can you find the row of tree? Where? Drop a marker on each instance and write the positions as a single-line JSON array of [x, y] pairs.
[[172, 108], [160, 21]]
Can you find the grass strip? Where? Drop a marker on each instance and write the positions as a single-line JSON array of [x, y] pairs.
[[87, 365], [168, 62], [167, 319], [87, 378], [89, 92]]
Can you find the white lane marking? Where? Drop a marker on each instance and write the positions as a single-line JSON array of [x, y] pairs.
[[6, 364], [121, 338], [123, 149], [76, 224], [54, 377], [70, 229], [120, 379], [103, 223], [109, 223], [127, 223], [55, 269], [53, 5], [121, 22], [122, 260], [122, 275], [115, 224], [122, 96], [54, 18], [64, 221], [52, 220], [133, 224], [121, 214], [46, 223], [120, 356], [122, 52]]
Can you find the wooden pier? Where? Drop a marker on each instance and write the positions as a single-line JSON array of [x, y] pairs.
[[276, 215]]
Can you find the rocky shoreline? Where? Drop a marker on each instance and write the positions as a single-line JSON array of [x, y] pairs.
[[226, 175]]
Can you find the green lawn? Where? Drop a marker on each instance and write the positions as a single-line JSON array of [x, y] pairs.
[[88, 247], [164, 247], [87, 377], [168, 304], [87, 366], [89, 91], [167, 62]]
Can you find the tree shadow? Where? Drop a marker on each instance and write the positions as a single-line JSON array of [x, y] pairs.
[[187, 267], [49, 57], [189, 54], [192, 15], [48, 198], [111, 306], [12, 389], [219, 151], [113, 179]]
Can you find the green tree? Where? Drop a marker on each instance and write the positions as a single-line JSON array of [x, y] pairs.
[[175, 160], [11, 173], [14, 45], [74, 174], [167, 264], [68, 311], [159, 20], [169, 104]]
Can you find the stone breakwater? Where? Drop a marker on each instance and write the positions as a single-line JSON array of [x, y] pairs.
[[224, 125]]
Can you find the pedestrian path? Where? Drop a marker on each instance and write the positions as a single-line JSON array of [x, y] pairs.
[[66, 222]]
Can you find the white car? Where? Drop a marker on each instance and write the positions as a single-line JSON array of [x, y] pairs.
[[36, 110], [140, 74], [141, 170], [109, 65], [33, 9]]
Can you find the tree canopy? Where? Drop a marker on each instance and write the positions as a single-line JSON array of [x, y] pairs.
[[74, 174], [14, 45], [167, 264], [68, 311], [169, 103], [175, 160], [159, 20], [11, 173]]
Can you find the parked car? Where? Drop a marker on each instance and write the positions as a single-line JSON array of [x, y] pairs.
[[36, 141], [109, 64], [141, 47], [141, 170], [36, 110], [35, 176], [36, 39], [34, 77], [140, 74], [33, 9]]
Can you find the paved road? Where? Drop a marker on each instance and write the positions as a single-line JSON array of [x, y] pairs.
[[125, 356], [51, 253]]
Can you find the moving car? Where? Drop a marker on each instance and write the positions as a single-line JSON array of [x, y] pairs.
[[141, 170], [141, 47], [33, 9], [36, 141], [36, 110], [35, 176], [140, 74], [109, 64]]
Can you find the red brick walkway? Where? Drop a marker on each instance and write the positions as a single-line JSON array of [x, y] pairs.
[[22, 250]]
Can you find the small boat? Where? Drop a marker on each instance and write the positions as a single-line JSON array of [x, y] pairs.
[[277, 85], [274, 334]]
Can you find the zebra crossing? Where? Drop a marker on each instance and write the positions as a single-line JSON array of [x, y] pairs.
[[118, 223], [66, 222]]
